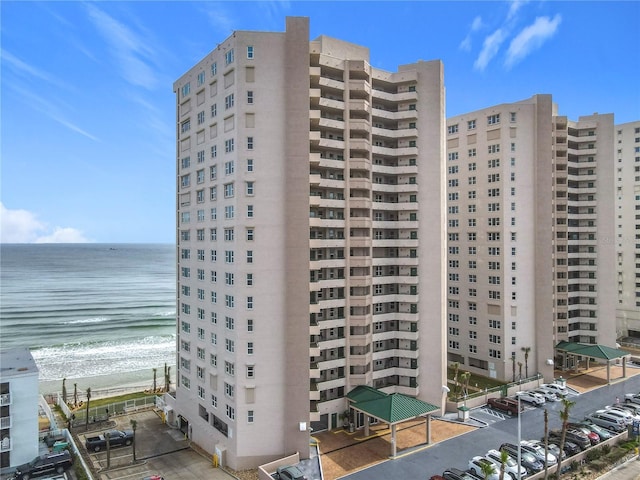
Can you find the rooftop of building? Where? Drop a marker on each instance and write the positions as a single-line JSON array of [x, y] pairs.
[[17, 362]]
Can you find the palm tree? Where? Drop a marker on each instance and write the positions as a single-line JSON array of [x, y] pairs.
[[487, 469], [134, 425], [546, 442], [520, 370], [526, 351], [75, 394], [64, 390], [107, 437], [455, 366], [86, 422], [155, 385], [504, 457], [465, 377], [513, 366], [564, 416]]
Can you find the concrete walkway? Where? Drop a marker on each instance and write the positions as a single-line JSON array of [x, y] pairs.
[[627, 471]]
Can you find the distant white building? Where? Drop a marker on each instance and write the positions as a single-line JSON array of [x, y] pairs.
[[18, 407], [627, 154]]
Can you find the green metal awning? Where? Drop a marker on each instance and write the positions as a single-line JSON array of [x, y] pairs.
[[390, 408], [595, 351]]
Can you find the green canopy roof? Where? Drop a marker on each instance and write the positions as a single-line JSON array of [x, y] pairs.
[[596, 351], [390, 408]]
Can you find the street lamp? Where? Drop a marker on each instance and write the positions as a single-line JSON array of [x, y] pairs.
[[519, 440]]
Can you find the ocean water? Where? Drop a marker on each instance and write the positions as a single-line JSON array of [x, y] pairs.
[[99, 315]]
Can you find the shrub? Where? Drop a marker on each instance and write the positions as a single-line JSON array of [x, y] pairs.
[[606, 449], [575, 465], [592, 454]]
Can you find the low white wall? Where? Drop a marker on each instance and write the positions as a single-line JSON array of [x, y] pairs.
[[265, 471]]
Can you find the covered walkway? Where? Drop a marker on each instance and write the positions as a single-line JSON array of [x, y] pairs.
[[579, 356]]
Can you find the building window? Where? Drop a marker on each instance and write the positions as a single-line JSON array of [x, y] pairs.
[[250, 97], [471, 125], [250, 165], [229, 145], [249, 416], [250, 234], [249, 256], [229, 101], [249, 143], [250, 52], [249, 211], [229, 167], [251, 371], [186, 89], [214, 110], [228, 57], [249, 348], [452, 129], [493, 119]]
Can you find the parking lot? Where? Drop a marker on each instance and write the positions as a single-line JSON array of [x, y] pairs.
[[160, 450]]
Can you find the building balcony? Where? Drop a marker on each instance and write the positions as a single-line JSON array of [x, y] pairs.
[[327, 243], [360, 222], [5, 422], [331, 161], [360, 125], [360, 262], [360, 87], [360, 105], [330, 123], [5, 444], [398, 115], [360, 340], [396, 242], [5, 399], [359, 144], [314, 72], [362, 301], [355, 242], [314, 394], [326, 222], [331, 83], [359, 202], [359, 320], [331, 143], [394, 134], [394, 97], [396, 188]]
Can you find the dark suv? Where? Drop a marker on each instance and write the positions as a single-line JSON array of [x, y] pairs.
[[54, 462]]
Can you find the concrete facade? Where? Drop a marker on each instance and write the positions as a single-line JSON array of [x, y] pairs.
[[310, 238], [627, 154], [18, 407], [530, 203]]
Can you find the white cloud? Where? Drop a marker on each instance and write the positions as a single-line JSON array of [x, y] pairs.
[[130, 51], [475, 26], [218, 17], [490, 48], [22, 226], [514, 7], [21, 67], [531, 38]]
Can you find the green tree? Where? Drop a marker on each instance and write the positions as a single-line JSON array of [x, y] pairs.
[[504, 457], [567, 405], [520, 370], [86, 420], [513, 366], [455, 366], [134, 426], [526, 351], [487, 469]]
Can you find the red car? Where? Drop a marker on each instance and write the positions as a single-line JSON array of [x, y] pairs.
[[507, 405]]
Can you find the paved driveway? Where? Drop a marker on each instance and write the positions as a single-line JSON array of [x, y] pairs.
[[160, 450]]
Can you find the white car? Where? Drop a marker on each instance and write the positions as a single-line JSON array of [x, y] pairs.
[[538, 451], [624, 412], [511, 467], [632, 398], [557, 389], [626, 417], [547, 394], [475, 465], [531, 397]]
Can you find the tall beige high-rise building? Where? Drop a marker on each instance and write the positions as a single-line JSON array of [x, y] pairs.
[[310, 245], [627, 154], [530, 223]]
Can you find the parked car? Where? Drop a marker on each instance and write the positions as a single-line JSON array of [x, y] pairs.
[[602, 432], [559, 390], [476, 464], [594, 438], [54, 462], [116, 438], [632, 398], [538, 451], [456, 474], [290, 472], [575, 436], [527, 459], [507, 405], [606, 420], [626, 413], [153, 477], [551, 447], [510, 467], [531, 397], [547, 394]]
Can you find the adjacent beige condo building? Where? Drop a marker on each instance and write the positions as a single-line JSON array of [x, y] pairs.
[[530, 229], [627, 154], [311, 242]]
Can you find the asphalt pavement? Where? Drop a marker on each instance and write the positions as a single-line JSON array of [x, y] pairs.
[[456, 452]]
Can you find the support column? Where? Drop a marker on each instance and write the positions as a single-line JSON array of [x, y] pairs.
[[366, 425], [393, 440], [428, 429], [608, 372], [624, 367]]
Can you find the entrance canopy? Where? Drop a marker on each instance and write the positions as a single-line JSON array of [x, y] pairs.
[[389, 408], [570, 351]]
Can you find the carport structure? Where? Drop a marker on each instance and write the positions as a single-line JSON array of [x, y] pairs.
[[572, 352], [391, 408]]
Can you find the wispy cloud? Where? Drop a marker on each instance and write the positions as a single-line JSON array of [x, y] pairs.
[[23, 226], [218, 17], [514, 7], [49, 109], [490, 48], [475, 26], [131, 52], [531, 38], [24, 69]]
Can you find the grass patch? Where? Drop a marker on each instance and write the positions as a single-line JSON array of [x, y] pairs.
[[100, 402], [477, 381]]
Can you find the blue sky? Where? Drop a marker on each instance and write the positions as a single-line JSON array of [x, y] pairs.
[[88, 110]]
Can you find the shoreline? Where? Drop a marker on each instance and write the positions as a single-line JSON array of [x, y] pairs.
[[108, 384]]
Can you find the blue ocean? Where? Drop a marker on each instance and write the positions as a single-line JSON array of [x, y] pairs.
[[99, 315]]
